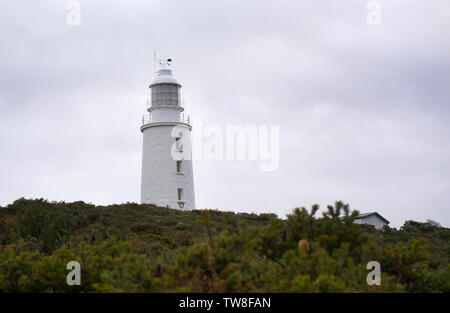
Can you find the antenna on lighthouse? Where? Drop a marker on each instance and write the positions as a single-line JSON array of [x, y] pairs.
[[163, 64], [154, 63]]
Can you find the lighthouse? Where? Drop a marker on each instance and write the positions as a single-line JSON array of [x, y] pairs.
[[167, 175]]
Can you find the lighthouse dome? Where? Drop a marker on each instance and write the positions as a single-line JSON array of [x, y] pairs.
[[165, 77]]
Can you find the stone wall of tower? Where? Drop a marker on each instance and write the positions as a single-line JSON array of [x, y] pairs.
[[160, 180]]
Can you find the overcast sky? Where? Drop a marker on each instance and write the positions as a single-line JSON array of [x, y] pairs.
[[363, 111]]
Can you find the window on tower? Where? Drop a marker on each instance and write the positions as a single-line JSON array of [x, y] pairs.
[[165, 94], [180, 194], [179, 167], [178, 144]]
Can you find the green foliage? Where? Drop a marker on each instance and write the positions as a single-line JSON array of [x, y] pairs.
[[144, 248]]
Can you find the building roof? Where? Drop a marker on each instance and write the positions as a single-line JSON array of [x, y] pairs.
[[363, 215]]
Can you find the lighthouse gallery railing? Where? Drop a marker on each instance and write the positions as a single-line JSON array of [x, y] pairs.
[[158, 118]]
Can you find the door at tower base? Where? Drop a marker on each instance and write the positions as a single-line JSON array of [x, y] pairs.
[[166, 182]]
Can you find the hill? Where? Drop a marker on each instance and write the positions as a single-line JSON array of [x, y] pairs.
[[145, 248]]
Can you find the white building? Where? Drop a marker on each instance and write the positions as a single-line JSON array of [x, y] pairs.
[[372, 218], [166, 180]]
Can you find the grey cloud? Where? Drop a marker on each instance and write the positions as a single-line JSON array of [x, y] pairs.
[[363, 111]]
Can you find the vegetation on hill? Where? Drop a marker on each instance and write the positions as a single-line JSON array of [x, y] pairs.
[[145, 248]]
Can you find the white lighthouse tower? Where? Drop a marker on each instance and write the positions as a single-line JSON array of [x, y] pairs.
[[167, 176]]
